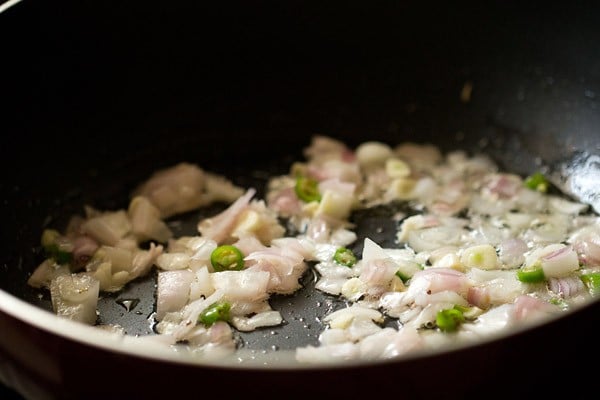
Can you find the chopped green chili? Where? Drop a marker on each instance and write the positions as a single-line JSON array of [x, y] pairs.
[[307, 189], [469, 313], [538, 182], [218, 311], [51, 243], [407, 270], [531, 274], [592, 281], [560, 303], [344, 256], [227, 258], [449, 319]]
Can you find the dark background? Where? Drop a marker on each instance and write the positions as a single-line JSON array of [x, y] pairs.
[[275, 72]]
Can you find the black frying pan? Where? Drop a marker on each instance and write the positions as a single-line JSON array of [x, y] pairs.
[[103, 94]]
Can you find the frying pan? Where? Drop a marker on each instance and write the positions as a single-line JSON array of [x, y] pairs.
[[101, 94]]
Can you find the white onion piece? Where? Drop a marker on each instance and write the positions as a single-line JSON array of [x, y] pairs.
[[243, 285], [340, 169], [218, 333], [512, 252], [493, 321], [360, 328], [586, 241], [450, 260], [331, 285], [483, 205], [566, 287], [175, 189], [146, 222], [560, 262], [503, 185], [495, 287], [324, 147], [529, 309], [342, 237], [303, 246], [558, 204], [372, 154], [433, 280], [75, 296], [108, 228], [45, 272], [590, 252], [444, 297], [429, 239], [144, 260], [173, 261], [324, 251], [478, 275], [285, 267], [120, 259], [247, 324], [372, 251], [394, 303], [531, 201], [257, 221], [333, 270], [549, 229], [399, 254], [202, 249], [333, 336], [390, 343], [219, 227], [518, 221], [244, 308], [336, 201], [219, 188], [353, 289], [353, 311], [173, 288], [427, 316], [378, 272], [479, 297], [201, 285], [422, 157], [416, 222], [488, 234], [536, 254], [332, 354]]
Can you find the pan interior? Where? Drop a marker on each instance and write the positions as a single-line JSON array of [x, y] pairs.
[[84, 141], [134, 307]]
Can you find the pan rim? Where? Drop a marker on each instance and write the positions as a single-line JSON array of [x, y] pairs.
[[134, 346]]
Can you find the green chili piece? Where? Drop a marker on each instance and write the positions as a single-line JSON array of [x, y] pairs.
[[227, 258], [560, 303], [469, 313], [407, 269], [532, 274], [344, 256], [538, 182], [592, 281], [218, 311], [62, 257], [449, 319], [54, 245], [307, 189]]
